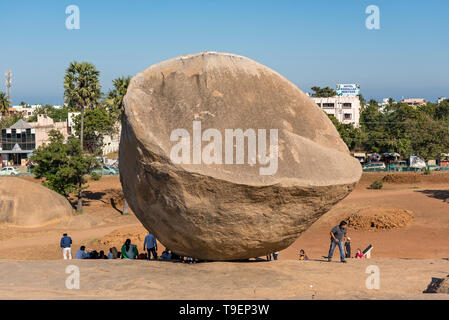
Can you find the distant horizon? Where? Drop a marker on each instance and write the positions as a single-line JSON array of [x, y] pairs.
[[311, 44]]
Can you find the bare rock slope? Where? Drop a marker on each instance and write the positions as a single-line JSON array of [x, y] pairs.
[[210, 191], [24, 203]]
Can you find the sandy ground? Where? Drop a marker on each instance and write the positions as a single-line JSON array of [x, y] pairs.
[[408, 257], [126, 279]]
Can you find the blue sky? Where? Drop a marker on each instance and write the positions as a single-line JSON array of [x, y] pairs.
[[320, 42]]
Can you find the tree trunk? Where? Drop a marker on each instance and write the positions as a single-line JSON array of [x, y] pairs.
[[80, 192], [82, 129], [79, 207], [125, 207]]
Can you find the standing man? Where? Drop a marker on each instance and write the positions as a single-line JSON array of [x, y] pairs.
[[66, 243], [150, 244], [337, 235]]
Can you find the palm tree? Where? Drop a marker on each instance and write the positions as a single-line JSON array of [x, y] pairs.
[[4, 103], [81, 91], [115, 96], [114, 102]]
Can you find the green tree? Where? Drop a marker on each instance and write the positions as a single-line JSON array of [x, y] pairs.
[[114, 99], [4, 103], [82, 89], [97, 123], [63, 165], [57, 114], [353, 137], [323, 92], [8, 120]]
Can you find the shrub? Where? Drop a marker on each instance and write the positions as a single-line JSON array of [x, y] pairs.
[[95, 176], [376, 185]]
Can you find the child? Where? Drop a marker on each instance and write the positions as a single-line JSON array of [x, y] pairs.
[[302, 255], [359, 254]]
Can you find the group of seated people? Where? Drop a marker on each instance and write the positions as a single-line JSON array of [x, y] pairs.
[[129, 251]]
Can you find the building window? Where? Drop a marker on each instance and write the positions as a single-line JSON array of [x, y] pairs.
[[348, 116], [328, 105], [347, 105], [319, 105]]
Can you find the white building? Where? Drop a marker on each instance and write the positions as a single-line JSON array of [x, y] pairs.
[[26, 110], [345, 108]]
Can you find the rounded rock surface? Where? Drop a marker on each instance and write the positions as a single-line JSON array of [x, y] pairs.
[[25, 203], [206, 205]]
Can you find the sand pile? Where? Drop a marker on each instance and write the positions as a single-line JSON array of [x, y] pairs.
[[401, 178], [117, 237], [375, 219]]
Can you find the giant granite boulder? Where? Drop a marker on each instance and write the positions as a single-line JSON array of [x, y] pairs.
[[211, 191], [25, 203]]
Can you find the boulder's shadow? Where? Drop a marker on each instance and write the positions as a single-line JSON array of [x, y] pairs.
[[437, 194]]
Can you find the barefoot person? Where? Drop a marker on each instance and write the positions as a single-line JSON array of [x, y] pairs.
[[66, 243], [337, 235]]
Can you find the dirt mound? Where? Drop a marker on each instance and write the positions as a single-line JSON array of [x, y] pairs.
[[117, 237], [401, 178], [376, 219]]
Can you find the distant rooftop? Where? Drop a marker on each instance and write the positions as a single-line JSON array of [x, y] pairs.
[[21, 125]]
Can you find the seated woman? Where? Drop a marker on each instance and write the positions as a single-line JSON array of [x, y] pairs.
[[359, 254], [302, 255], [129, 251]]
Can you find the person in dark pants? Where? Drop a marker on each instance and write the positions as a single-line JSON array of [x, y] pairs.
[[337, 235], [150, 243]]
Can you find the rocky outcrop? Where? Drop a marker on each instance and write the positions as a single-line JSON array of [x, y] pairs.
[[209, 190], [24, 203]]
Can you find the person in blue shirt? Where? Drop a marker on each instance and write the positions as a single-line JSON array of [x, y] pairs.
[[66, 243], [166, 255], [150, 243], [81, 253]]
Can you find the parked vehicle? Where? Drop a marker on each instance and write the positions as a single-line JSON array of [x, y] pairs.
[[374, 166], [9, 171], [105, 170], [415, 162]]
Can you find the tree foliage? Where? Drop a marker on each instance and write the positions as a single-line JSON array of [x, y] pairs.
[[7, 121], [82, 86], [323, 92], [398, 127], [114, 99], [4, 103], [97, 123], [62, 164], [57, 114]]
